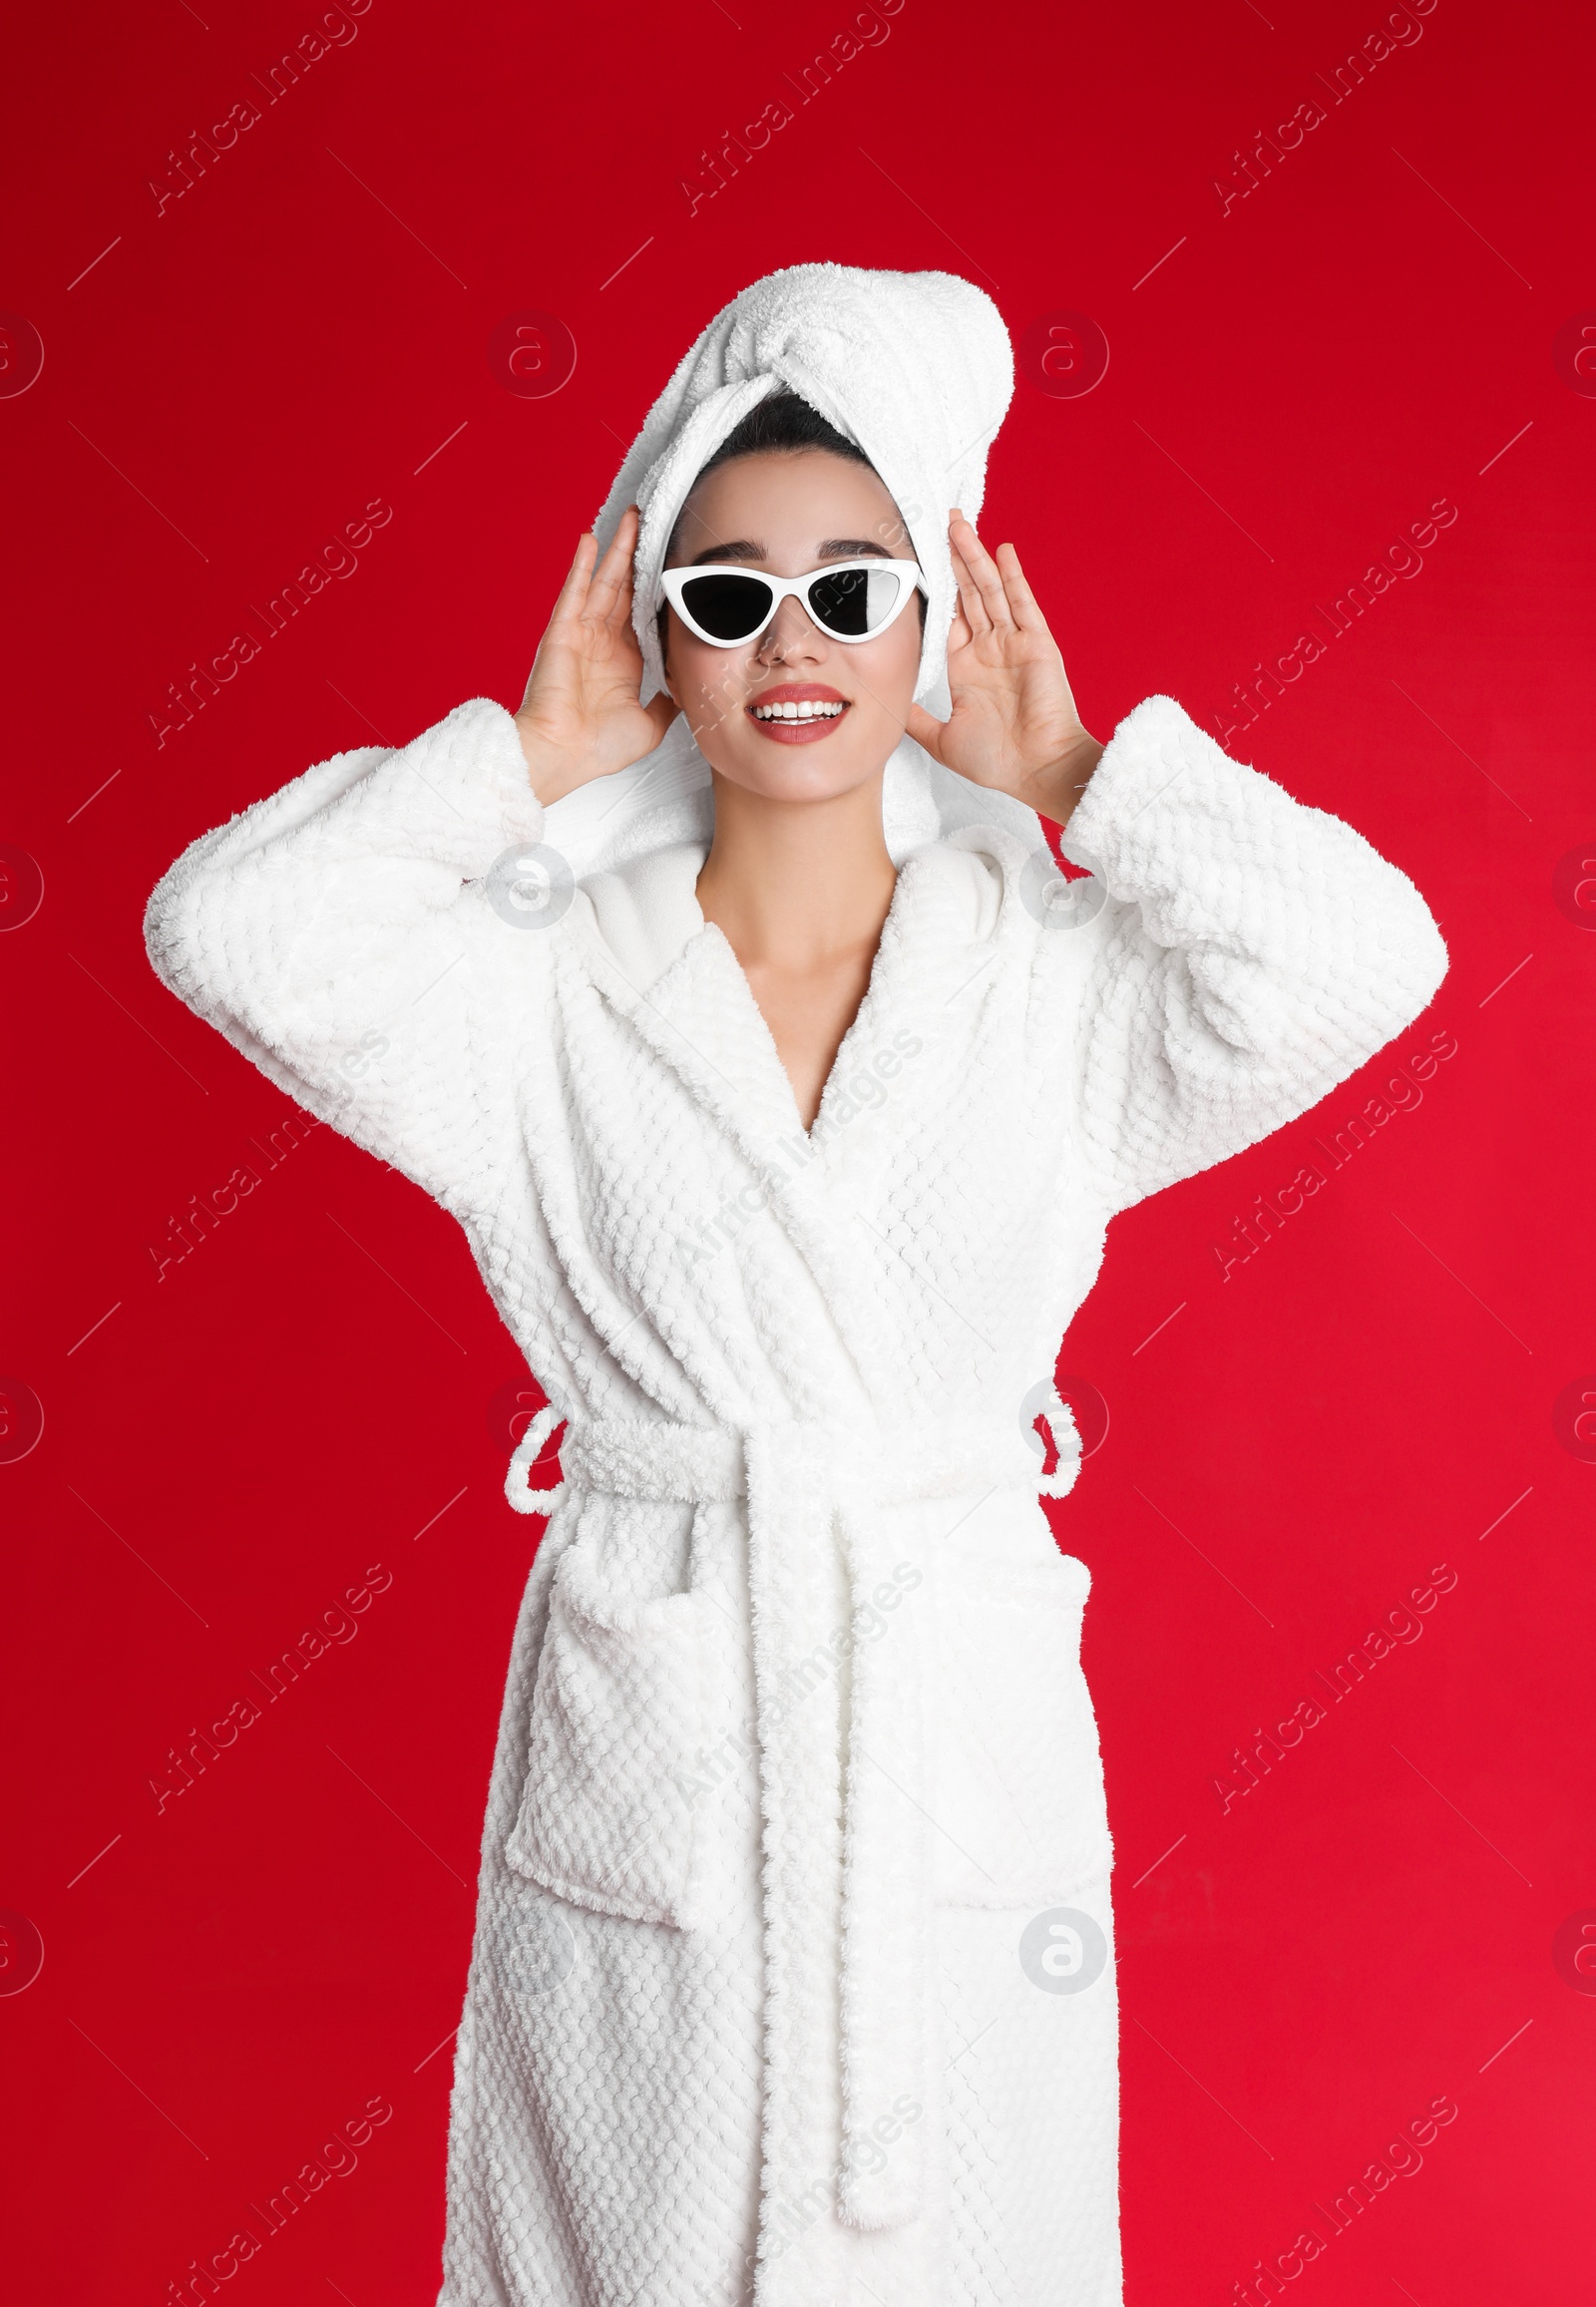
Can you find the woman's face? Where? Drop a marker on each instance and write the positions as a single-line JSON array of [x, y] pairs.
[[785, 513]]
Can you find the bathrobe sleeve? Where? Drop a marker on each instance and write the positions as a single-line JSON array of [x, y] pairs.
[[335, 934], [1251, 954]]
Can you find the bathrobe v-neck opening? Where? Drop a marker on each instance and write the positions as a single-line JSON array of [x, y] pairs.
[[653, 953], [871, 1004]]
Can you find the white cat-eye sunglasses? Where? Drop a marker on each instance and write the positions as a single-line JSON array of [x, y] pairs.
[[850, 601]]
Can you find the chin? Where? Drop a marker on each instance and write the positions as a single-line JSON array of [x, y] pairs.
[[802, 773]]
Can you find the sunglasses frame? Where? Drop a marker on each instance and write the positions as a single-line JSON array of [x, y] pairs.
[[673, 582]]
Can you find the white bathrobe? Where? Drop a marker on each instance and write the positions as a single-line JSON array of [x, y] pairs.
[[793, 1977]]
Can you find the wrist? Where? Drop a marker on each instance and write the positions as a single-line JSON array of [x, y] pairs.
[[1055, 791], [551, 772]]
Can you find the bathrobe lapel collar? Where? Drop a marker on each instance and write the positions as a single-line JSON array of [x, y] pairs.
[[676, 978], [677, 981]]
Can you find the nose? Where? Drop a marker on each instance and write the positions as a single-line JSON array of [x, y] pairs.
[[790, 637]]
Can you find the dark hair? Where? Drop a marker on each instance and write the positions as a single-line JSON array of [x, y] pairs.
[[782, 420]]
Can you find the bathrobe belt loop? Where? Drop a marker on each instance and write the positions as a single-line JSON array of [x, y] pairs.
[[526, 1452], [811, 1486]]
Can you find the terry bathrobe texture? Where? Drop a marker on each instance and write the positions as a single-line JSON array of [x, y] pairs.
[[793, 1975]]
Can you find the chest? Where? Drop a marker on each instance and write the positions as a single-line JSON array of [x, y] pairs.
[[808, 1014], [669, 1155]]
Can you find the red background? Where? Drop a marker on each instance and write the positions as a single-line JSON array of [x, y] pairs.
[[229, 1979]]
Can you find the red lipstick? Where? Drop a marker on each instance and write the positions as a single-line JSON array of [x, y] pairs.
[[775, 713]]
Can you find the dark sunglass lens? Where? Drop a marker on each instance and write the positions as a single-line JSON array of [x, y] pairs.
[[855, 601], [730, 607]]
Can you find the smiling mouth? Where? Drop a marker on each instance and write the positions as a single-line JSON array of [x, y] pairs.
[[795, 715]]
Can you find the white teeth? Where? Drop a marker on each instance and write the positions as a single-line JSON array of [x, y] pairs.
[[809, 709]]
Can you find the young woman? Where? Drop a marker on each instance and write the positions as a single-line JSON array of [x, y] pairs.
[[729, 997]]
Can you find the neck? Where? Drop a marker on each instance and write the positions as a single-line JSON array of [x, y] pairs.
[[793, 884]]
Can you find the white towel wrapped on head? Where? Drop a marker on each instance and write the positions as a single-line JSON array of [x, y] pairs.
[[918, 371], [916, 368]]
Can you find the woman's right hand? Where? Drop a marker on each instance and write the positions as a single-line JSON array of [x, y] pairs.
[[582, 716]]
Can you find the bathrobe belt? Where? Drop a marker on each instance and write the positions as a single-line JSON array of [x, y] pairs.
[[807, 1486]]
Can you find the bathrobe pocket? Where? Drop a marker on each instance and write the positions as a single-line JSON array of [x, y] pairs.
[[1019, 1817], [606, 1818]]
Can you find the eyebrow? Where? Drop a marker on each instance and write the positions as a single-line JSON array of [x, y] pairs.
[[831, 549]]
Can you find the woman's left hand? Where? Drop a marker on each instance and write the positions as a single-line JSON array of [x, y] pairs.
[[1013, 725]]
